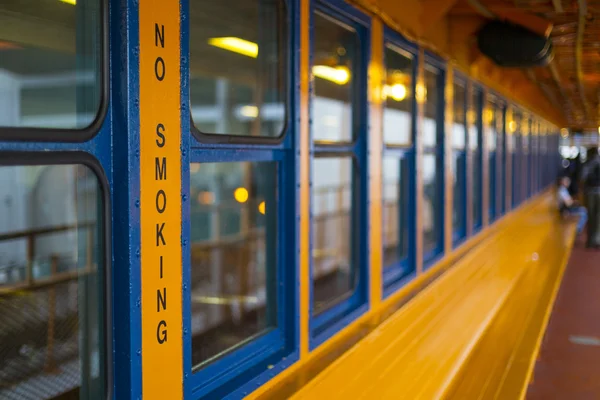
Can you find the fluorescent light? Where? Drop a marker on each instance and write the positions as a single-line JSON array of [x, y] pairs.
[[397, 91], [71, 2], [234, 44], [339, 75], [249, 111]]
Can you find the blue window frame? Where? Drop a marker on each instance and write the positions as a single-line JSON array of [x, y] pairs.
[[475, 129], [516, 159], [502, 157], [339, 174], [433, 160], [497, 148], [240, 299], [459, 154], [525, 157], [491, 119], [398, 178]]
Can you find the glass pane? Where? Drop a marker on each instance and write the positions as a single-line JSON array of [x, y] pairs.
[[432, 88], [459, 129], [52, 335], [493, 181], [333, 229], [477, 204], [491, 119], [397, 112], [473, 116], [335, 60], [459, 217], [432, 205], [50, 63], [395, 210], [233, 260], [238, 72]]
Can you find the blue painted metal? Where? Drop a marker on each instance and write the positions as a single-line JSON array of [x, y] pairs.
[[330, 321], [126, 189]]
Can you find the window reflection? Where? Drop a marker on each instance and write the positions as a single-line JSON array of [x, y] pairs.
[[334, 220], [238, 66], [459, 126], [335, 57], [397, 91], [431, 204], [395, 210], [433, 83], [50, 63], [52, 333], [233, 260]]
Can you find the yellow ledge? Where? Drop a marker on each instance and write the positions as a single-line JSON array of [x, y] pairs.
[[440, 344], [341, 345]]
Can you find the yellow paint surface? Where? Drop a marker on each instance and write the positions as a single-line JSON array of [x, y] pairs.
[[160, 194]]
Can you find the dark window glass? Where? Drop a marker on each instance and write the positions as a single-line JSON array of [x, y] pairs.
[[335, 273], [459, 216], [50, 63], [459, 139], [432, 204], [233, 254], [395, 210], [238, 72], [474, 127], [52, 335], [397, 91], [335, 60]]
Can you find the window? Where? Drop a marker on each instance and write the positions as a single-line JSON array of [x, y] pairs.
[[396, 233], [432, 207], [459, 138], [238, 67], [501, 151], [525, 157], [397, 181], [52, 283], [338, 173], [334, 85], [334, 231], [475, 132], [491, 120], [50, 64], [398, 107], [516, 157], [432, 93], [233, 255]]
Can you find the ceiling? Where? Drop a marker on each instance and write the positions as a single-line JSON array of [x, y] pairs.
[[572, 80]]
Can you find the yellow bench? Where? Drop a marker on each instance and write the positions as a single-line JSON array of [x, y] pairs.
[[436, 345]]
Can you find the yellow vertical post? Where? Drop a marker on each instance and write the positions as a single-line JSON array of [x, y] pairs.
[[304, 178], [448, 160], [160, 199], [376, 81], [419, 163], [485, 157]]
